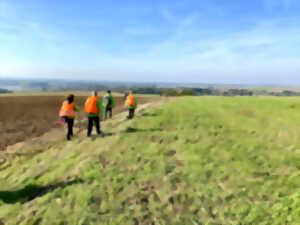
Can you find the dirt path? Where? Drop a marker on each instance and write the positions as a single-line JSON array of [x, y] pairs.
[[27, 117]]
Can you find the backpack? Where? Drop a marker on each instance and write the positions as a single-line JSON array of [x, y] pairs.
[[108, 101], [130, 101]]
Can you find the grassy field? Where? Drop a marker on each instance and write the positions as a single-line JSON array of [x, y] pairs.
[[189, 161]]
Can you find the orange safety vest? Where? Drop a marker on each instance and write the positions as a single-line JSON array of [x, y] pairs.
[[67, 110], [130, 101], [91, 105]]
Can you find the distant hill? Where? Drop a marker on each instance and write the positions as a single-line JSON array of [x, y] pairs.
[[159, 88]]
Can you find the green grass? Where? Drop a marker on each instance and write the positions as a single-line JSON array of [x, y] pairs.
[[197, 160]]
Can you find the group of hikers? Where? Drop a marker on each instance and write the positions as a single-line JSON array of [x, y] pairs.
[[94, 109]]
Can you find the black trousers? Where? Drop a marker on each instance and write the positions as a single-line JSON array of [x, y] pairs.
[[70, 122], [108, 111], [131, 113], [92, 120]]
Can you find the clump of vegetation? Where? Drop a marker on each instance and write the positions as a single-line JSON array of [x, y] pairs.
[[4, 91], [147, 90], [212, 92], [208, 160], [178, 92]]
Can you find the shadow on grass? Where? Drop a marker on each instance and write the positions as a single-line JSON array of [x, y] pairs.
[[136, 130], [31, 192], [102, 135], [150, 114]]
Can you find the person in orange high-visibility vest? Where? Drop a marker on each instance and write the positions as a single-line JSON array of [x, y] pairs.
[[131, 104], [67, 114], [93, 107]]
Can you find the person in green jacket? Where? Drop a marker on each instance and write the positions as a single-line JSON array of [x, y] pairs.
[[93, 107], [108, 104]]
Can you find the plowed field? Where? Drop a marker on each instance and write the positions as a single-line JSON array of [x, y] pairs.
[[23, 117]]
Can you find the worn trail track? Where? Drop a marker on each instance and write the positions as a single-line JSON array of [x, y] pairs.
[[26, 117]]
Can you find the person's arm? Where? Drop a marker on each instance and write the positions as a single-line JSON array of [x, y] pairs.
[[112, 102], [76, 108], [99, 105], [135, 103], [103, 102]]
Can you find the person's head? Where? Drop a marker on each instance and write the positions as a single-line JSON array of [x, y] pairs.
[[95, 93], [130, 92], [108, 92], [70, 98]]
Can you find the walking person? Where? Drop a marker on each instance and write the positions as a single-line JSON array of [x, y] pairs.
[[125, 96], [108, 104], [131, 104], [93, 107], [67, 114]]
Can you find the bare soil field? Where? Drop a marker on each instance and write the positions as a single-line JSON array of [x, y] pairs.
[[24, 117]]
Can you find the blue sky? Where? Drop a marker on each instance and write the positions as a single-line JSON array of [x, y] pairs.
[[209, 41]]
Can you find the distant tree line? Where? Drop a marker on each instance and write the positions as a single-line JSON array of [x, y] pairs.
[[285, 93], [44, 86], [4, 91], [138, 88], [238, 92], [211, 92], [147, 90], [194, 92]]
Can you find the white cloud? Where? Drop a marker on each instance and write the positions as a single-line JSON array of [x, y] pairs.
[[265, 52]]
